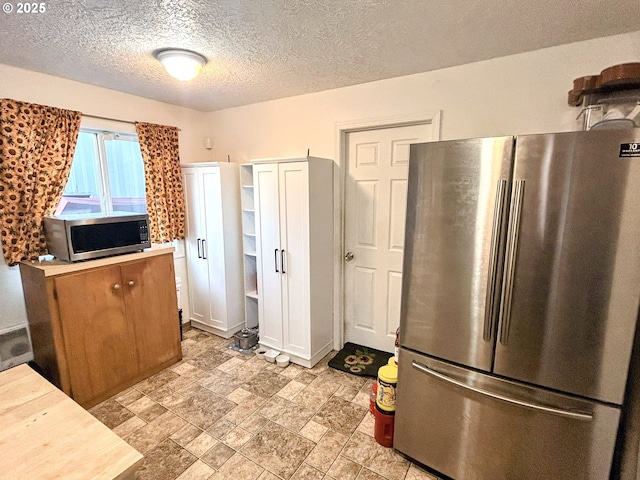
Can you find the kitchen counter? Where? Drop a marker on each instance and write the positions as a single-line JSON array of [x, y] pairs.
[[57, 267], [46, 435]]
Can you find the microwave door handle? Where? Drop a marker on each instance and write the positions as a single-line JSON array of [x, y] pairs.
[[199, 256], [204, 249]]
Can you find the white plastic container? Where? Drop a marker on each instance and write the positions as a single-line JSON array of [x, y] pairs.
[[260, 352], [270, 355], [282, 360]]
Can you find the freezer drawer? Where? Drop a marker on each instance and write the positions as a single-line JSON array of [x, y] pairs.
[[495, 429]]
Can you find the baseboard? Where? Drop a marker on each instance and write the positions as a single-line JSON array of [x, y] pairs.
[[217, 331], [186, 326]]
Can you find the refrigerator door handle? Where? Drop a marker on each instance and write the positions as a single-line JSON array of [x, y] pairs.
[[510, 260], [534, 406], [498, 215]]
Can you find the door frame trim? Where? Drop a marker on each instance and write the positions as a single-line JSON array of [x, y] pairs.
[[432, 118]]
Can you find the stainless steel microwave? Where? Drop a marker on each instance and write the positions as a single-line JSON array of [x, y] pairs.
[[85, 236]]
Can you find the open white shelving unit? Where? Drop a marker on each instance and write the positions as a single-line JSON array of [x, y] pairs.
[[249, 245]]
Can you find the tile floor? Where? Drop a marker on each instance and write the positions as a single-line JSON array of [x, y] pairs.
[[219, 414]]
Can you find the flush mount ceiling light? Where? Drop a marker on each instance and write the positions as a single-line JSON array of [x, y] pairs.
[[181, 64]]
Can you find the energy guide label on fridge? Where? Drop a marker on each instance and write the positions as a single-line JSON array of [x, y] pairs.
[[629, 150]]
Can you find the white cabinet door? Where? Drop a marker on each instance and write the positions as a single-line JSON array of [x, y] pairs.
[[214, 252], [294, 251], [213, 249], [197, 270], [265, 181]]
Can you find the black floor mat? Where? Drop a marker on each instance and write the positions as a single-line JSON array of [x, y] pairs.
[[359, 360]]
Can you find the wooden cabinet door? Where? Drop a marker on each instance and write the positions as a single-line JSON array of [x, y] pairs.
[[99, 340], [152, 310]]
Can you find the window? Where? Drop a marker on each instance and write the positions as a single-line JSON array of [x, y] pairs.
[[107, 175]]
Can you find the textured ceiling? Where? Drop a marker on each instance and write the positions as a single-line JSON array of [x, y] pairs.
[[266, 49]]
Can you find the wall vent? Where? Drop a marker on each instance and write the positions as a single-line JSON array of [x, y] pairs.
[[15, 347]]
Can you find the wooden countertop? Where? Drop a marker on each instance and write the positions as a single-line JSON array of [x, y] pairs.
[[46, 435], [58, 267]]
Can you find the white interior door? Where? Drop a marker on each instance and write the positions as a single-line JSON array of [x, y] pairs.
[[375, 206]]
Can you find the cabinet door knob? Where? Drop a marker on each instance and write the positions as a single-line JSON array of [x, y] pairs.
[[131, 283], [116, 286]]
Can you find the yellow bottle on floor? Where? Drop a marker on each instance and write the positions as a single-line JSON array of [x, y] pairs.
[[387, 381]]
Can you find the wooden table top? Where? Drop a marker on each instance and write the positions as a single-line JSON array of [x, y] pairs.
[[46, 435], [52, 267]]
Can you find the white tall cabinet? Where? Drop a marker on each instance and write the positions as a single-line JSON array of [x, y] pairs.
[[214, 247], [294, 239]]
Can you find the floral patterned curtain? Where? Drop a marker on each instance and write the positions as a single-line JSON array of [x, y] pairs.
[[163, 180], [37, 143]]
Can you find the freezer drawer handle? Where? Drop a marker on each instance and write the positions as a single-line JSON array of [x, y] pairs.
[[489, 309], [497, 396], [510, 262]]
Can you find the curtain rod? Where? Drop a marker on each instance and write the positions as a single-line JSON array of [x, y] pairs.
[[109, 118], [113, 119]]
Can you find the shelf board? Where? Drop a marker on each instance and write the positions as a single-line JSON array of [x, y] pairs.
[[251, 254], [247, 186], [249, 234], [253, 294], [249, 210]]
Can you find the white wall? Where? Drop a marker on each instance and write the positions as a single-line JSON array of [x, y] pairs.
[[28, 86], [525, 93]]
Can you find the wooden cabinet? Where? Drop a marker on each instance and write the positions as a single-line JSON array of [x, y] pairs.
[[214, 247], [294, 238], [100, 326]]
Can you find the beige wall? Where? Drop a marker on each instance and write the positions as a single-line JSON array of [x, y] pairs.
[[34, 87], [519, 94], [524, 93], [29, 86]]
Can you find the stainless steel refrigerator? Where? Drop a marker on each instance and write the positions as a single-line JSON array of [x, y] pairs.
[[521, 288]]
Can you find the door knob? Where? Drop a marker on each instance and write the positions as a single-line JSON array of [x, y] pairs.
[[131, 283], [116, 286], [348, 256]]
